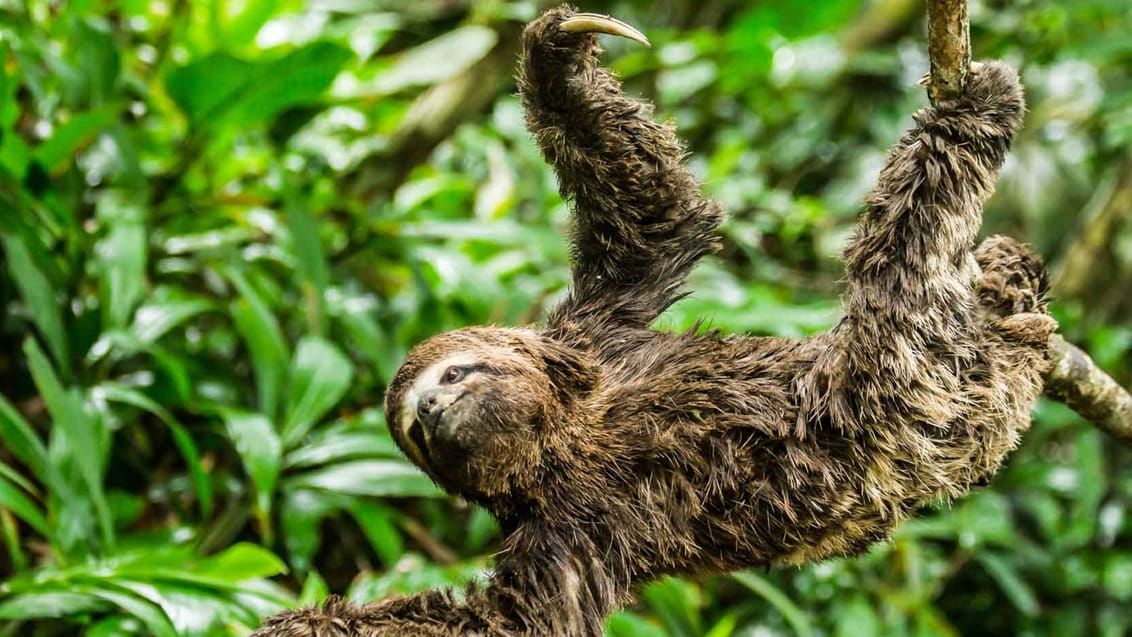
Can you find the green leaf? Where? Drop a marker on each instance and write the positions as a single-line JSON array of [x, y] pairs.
[[42, 605], [155, 318], [378, 478], [1010, 582], [19, 438], [434, 61], [314, 590], [16, 501], [858, 618], [121, 259], [793, 615], [149, 613], [677, 603], [264, 340], [80, 435], [258, 446], [311, 260], [238, 22], [37, 292], [377, 524], [626, 624], [181, 437], [221, 90], [238, 563], [320, 375], [57, 152], [338, 444]]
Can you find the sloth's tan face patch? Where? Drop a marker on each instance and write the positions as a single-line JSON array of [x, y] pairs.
[[431, 379]]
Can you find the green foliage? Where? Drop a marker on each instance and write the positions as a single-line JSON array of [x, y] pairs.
[[223, 225]]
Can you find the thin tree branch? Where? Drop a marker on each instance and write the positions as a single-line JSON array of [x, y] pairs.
[[1077, 381], [949, 48], [1074, 378]]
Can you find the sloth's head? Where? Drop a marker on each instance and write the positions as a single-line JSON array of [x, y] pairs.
[[477, 408]]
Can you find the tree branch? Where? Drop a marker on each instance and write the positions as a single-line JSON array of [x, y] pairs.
[[1077, 381], [1074, 378], [949, 48]]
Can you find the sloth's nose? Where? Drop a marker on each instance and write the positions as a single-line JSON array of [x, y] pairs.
[[427, 407]]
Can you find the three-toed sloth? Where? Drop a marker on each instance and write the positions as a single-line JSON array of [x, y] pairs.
[[612, 453]]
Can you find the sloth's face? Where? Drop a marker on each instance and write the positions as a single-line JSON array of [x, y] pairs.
[[474, 408]]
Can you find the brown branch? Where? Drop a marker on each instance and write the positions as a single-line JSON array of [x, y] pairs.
[[1077, 381], [949, 48], [1074, 378]]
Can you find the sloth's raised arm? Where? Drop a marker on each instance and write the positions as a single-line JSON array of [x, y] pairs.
[[911, 312], [640, 221]]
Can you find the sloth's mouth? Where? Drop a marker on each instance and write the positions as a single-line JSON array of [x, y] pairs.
[[416, 434]]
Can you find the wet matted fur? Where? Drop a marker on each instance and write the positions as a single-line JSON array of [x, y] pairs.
[[613, 454]]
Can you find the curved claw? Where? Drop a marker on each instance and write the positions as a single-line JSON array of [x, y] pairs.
[[597, 23]]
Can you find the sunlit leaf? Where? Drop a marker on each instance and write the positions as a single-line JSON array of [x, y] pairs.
[[57, 152], [79, 434], [19, 438], [181, 437], [15, 500], [121, 258], [264, 339], [258, 445], [1016, 589], [220, 89], [38, 294], [33, 605], [378, 478], [320, 375], [432, 62], [793, 615]]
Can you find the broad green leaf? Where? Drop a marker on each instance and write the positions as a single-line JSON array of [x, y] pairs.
[[150, 614], [155, 318], [381, 531], [16, 501], [264, 340], [222, 90], [377, 478], [1011, 583], [339, 444], [627, 624], [238, 563], [80, 434], [181, 437], [412, 575], [856, 617], [320, 375], [311, 260], [59, 150], [258, 445], [793, 615], [434, 61], [47, 604], [677, 603], [96, 57], [120, 259], [36, 290], [18, 437], [314, 590], [238, 22], [301, 516]]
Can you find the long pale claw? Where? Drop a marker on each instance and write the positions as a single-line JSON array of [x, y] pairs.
[[597, 23]]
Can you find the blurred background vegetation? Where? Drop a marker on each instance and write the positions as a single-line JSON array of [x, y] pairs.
[[222, 225]]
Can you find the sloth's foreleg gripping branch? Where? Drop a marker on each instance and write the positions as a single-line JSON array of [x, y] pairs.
[[640, 222]]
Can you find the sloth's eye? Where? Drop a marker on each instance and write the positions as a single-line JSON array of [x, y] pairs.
[[453, 374]]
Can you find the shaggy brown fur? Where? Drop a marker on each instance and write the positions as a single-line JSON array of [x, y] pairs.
[[613, 454]]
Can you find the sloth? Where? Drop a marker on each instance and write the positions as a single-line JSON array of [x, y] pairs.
[[612, 453]]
